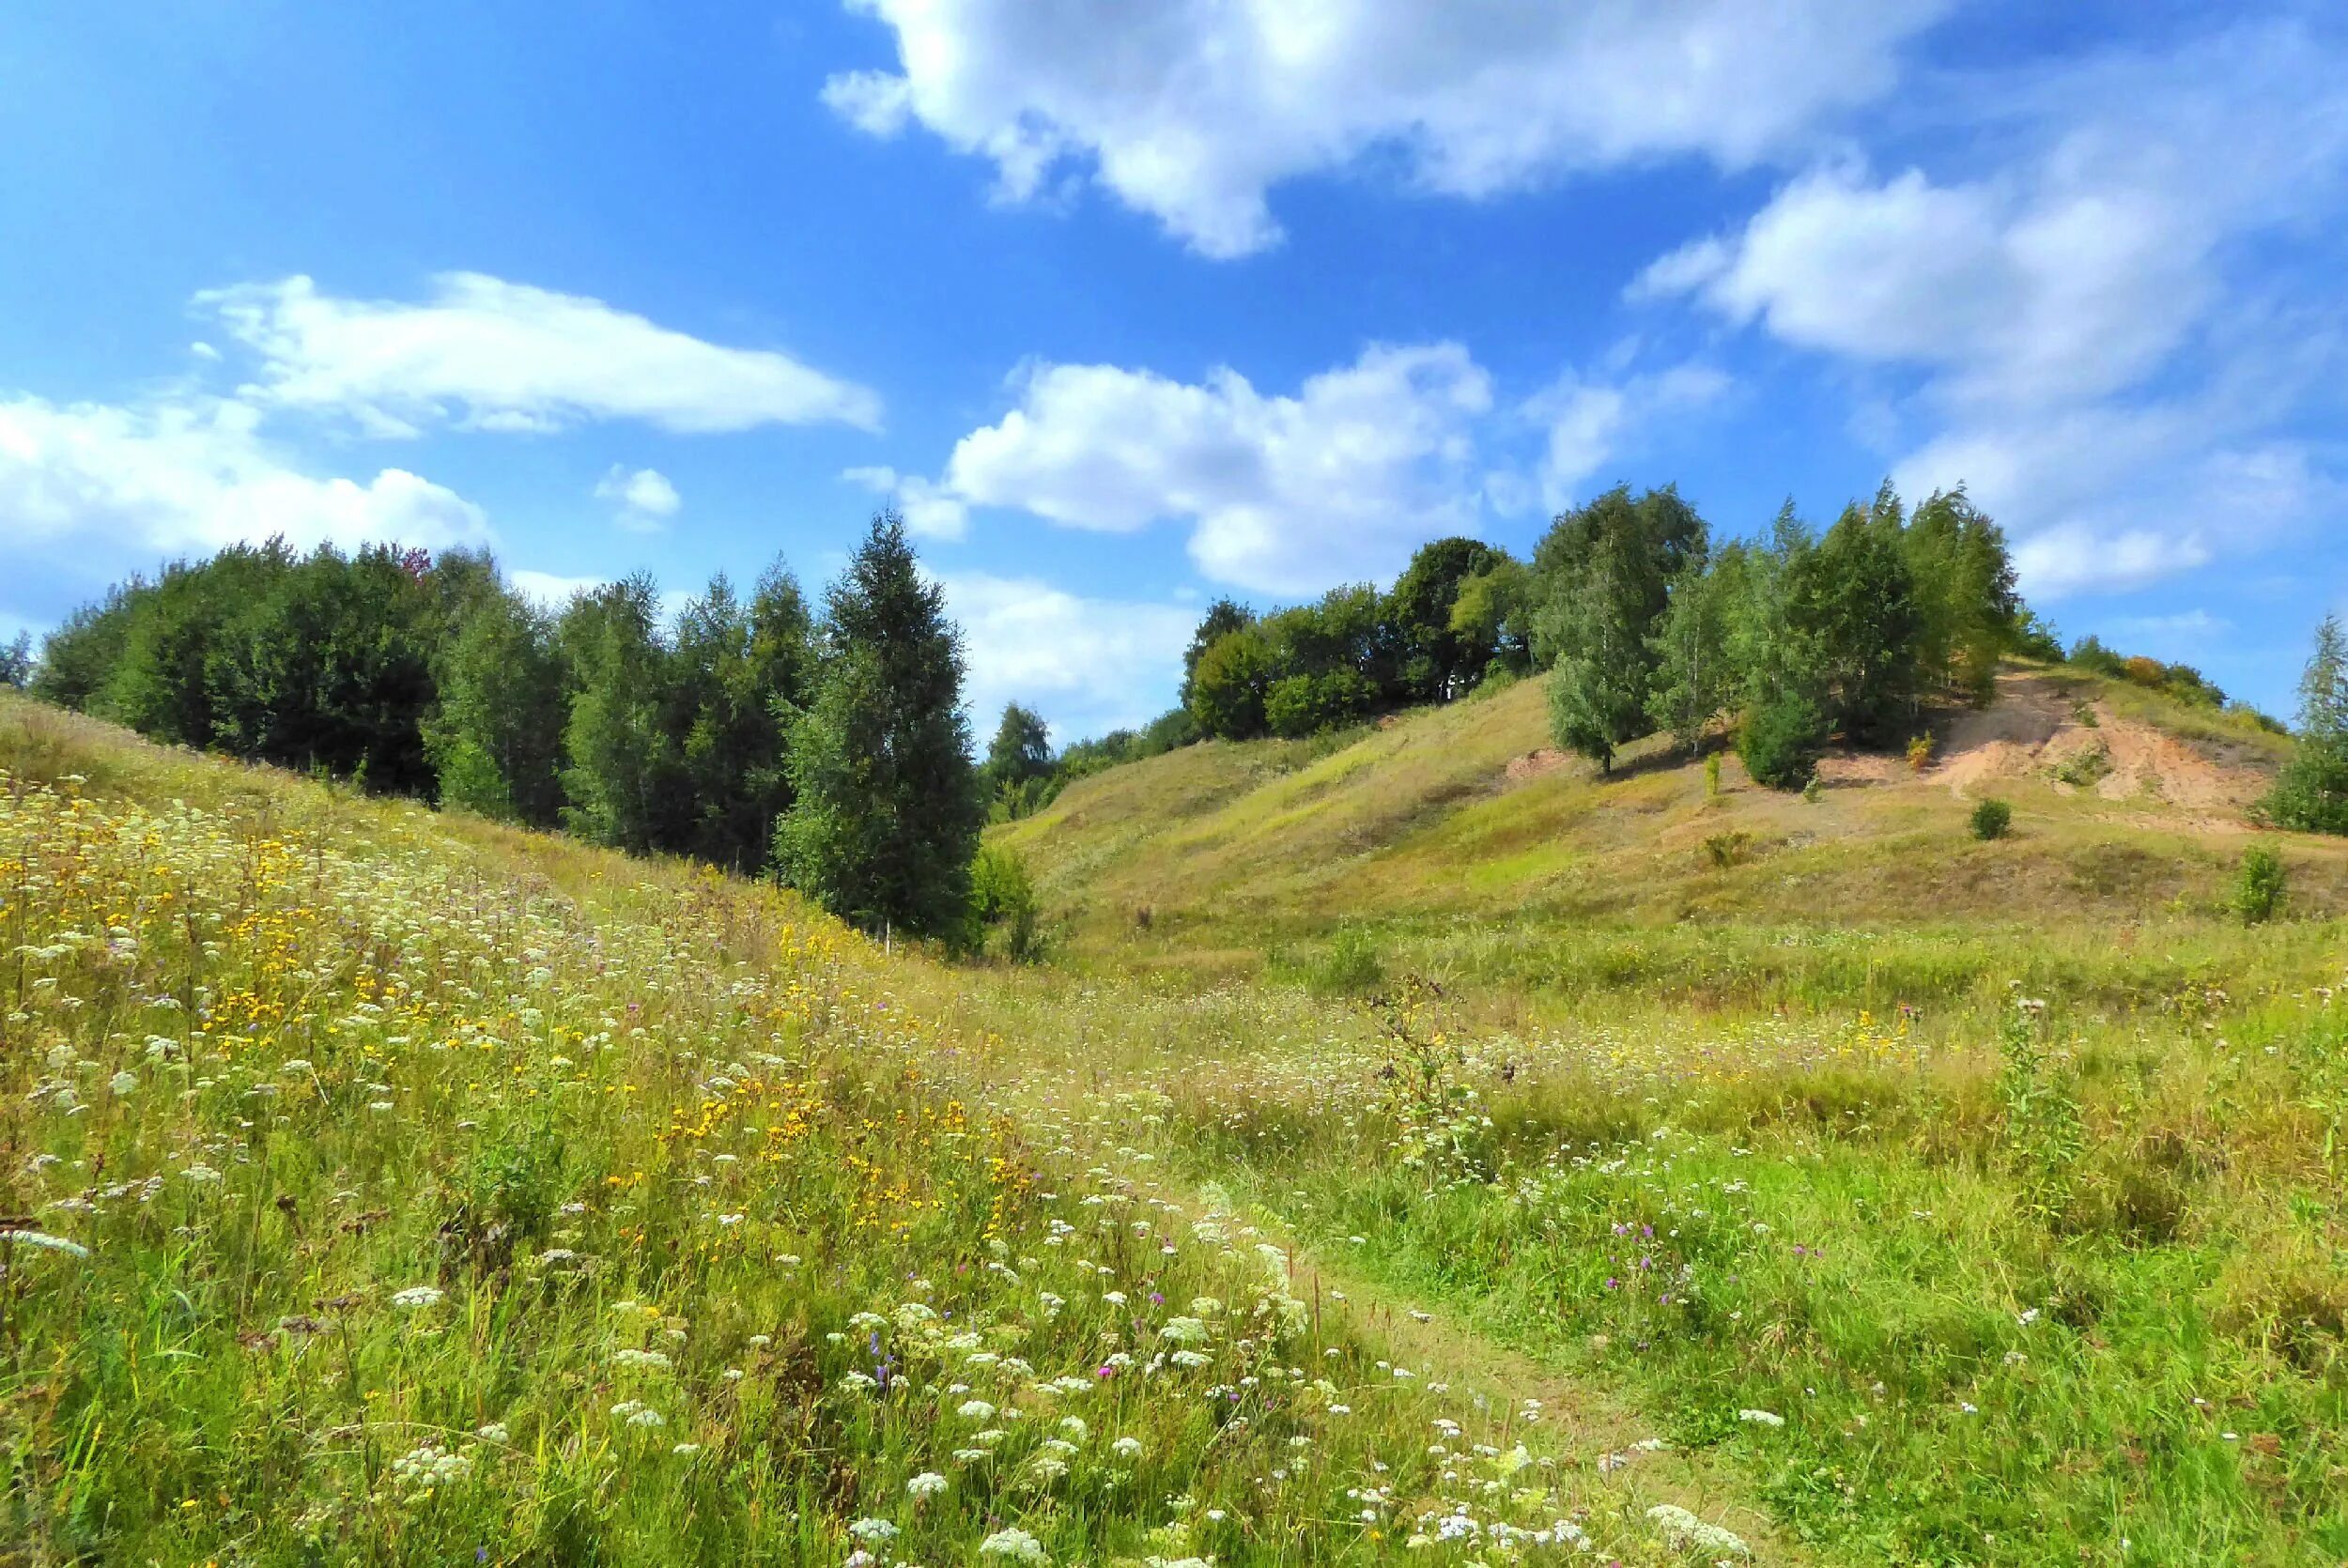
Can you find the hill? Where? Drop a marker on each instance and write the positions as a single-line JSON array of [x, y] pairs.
[[1462, 819], [384, 1186]]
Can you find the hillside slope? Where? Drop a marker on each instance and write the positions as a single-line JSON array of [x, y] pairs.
[[2124, 803]]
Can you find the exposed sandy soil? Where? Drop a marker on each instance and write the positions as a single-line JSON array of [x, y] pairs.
[[2032, 729], [1535, 763]]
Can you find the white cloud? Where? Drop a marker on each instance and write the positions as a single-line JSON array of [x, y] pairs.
[[645, 498], [1281, 494], [195, 476], [548, 591], [1590, 422], [1192, 110], [492, 355], [1088, 665], [2106, 497], [2094, 355], [929, 509]]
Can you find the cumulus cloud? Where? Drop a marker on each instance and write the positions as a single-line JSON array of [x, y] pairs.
[[1590, 422], [1192, 110], [2073, 311], [1282, 494], [492, 355], [1088, 665], [928, 509], [195, 476], [646, 500]]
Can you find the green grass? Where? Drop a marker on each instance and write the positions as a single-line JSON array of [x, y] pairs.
[[1604, 1160]]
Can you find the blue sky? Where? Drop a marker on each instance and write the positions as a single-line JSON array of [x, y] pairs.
[[1129, 304]]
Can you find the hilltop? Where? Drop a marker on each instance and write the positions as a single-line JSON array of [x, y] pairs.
[[2128, 805]]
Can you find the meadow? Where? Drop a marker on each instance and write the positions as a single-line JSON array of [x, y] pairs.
[[385, 1185]]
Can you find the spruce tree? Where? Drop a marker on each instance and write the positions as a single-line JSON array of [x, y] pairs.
[[886, 815], [2312, 793]]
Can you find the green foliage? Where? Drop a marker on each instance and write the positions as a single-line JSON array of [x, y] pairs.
[[886, 811], [1301, 705], [1350, 964], [1712, 777], [16, 661], [496, 738], [625, 772], [1018, 764], [1693, 679], [1991, 818], [2311, 793], [1610, 570], [1813, 791], [1004, 915], [2084, 768], [2044, 1131], [1494, 610], [1438, 660], [2259, 886], [1782, 740], [738, 672], [1229, 685], [1224, 616], [1852, 603], [1728, 848]]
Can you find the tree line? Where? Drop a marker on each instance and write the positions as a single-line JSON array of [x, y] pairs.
[[753, 731], [1646, 625]]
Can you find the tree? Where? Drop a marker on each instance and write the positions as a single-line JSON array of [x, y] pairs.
[[1223, 617], [1491, 615], [738, 669], [624, 778], [1693, 678], [16, 661], [1436, 663], [886, 811], [1018, 761], [2311, 793], [1295, 706], [1654, 538], [1226, 689], [1968, 614], [1609, 566], [1850, 606]]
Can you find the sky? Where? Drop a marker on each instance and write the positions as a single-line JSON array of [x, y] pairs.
[[1129, 304]]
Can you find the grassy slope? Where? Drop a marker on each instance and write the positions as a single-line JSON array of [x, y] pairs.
[[385, 1187], [2056, 1291], [1417, 827]]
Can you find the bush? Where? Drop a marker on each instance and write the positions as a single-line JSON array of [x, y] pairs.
[[2258, 891], [1727, 849], [2311, 795], [1003, 906], [1712, 777], [1992, 818], [1813, 791], [1781, 742], [1919, 753], [1350, 964], [1301, 705]]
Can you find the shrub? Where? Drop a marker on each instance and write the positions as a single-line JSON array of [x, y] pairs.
[[2311, 795], [1919, 753], [2085, 768], [1300, 705], [1712, 777], [1003, 906], [1351, 963], [2258, 891], [1781, 742], [1813, 791], [1727, 849], [1992, 818]]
